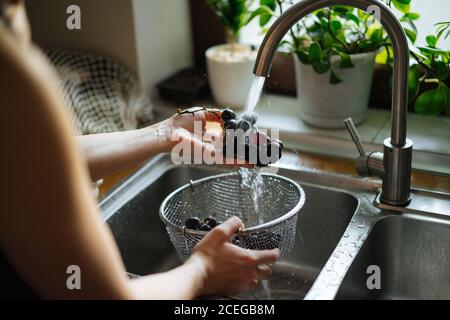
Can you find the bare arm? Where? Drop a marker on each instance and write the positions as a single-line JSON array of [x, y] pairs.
[[110, 153]]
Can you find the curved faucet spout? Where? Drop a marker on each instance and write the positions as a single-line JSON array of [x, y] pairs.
[[393, 27], [394, 167]]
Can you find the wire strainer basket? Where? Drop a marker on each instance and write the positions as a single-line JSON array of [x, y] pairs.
[[270, 219]]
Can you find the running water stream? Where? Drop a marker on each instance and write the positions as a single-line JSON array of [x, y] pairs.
[[255, 94], [252, 178]]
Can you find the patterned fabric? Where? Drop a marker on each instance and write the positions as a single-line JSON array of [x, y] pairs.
[[102, 95]]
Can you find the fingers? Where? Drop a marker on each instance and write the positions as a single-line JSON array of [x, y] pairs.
[[223, 232], [263, 272], [266, 256], [213, 115], [254, 258], [210, 115]]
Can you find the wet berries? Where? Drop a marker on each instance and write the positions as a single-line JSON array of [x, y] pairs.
[[206, 224], [231, 124], [250, 117], [279, 142], [205, 227], [228, 115], [193, 223], [211, 222], [244, 125], [254, 147], [275, 150]]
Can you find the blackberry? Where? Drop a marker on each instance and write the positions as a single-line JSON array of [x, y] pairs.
[[231, 124], [274, 151], [244, 125], [279, 142], [228, 115], [205, 227], [250, 117], [193, 223], [211, 222]]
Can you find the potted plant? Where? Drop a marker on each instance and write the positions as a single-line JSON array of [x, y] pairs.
[[429, 73], [230, 65], [428, 76], [334, 52], [334, 49]]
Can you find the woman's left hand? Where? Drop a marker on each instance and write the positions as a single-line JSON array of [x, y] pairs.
[[191, 127]]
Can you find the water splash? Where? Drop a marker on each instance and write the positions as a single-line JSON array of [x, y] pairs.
[[255, 94], [266, 287], [252, 179]]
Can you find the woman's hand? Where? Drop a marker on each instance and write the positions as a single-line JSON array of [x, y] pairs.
[[191, 128], [229, 269]]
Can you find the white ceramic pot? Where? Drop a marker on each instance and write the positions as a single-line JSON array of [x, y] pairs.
[[327, 105], [230, 75]]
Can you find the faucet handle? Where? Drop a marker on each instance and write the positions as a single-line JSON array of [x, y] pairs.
[[355, 136]]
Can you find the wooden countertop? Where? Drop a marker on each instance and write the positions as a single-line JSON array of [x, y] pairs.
[[420, 180]]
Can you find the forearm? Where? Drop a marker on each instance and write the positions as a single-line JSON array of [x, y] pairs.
[[183, 283], [110, 153]]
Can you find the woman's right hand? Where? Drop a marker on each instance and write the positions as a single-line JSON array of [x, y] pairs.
[[229, 269]]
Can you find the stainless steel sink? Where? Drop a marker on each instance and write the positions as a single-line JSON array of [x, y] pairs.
[[338, 217], [413, 255]]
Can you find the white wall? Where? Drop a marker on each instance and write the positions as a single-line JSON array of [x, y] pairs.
[[163, 36], [432, 11], [107, 27], [151, 37]]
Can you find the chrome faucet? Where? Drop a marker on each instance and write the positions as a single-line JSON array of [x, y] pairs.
[[394, 166]]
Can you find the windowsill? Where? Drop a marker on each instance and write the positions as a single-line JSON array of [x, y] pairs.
[[431, 135]]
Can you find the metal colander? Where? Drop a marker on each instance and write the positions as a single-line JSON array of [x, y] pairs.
[[222, 197]]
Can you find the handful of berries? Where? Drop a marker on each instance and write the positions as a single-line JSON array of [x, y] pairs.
[[243, 140]]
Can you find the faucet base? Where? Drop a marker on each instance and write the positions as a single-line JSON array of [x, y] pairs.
[[397, 178]]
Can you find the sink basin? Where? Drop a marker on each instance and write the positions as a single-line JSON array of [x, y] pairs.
[[145, 246], [413, 254], [341, 230]]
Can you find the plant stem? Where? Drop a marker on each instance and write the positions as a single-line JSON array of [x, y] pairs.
[[421, 63], [232, 40], [333, 35]]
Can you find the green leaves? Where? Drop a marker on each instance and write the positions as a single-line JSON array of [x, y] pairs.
[[335, 26], [413, 81], [265, 17], [410, 16], [434, 102], [443, 27], [403, 6], [433, 67], [377, 36], [316, 55], [236, 14], [346, 61], [411, 35], [431, 41], [303, 57], [334, 79], [320, 67], [352, 17], [315, 51]]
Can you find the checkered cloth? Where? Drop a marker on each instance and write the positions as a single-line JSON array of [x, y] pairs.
[[102, 95]]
